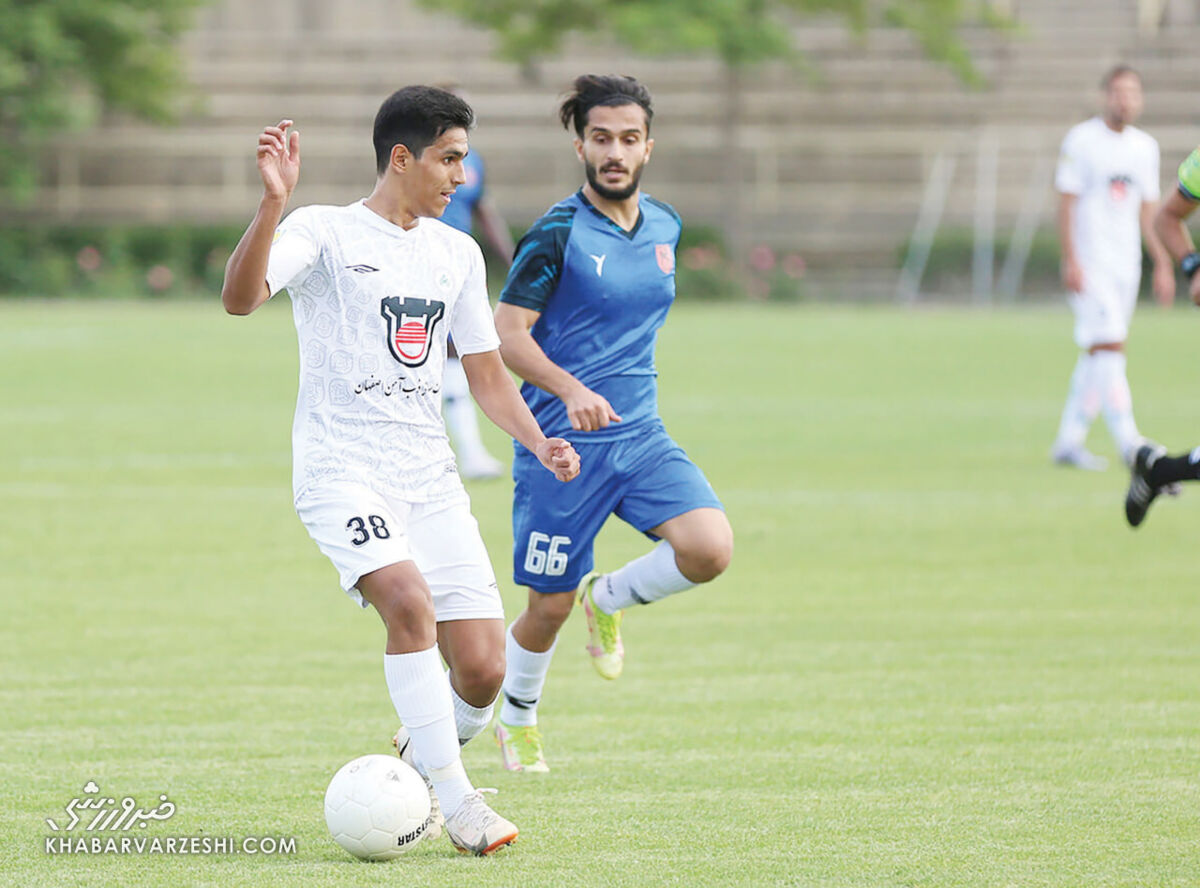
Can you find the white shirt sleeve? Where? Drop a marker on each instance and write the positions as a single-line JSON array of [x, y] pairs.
[[1070, 177], [1152, 188], [294, 251], [471, 324]]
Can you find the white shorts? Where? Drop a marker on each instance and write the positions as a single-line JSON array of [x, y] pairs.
[[361, 530], [1104, 308]]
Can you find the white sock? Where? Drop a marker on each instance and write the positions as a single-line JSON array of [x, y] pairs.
[[524, 677], [1083, 403], [652, 577], [461, 418], [421, 694], [1117, 401], [470, 720]]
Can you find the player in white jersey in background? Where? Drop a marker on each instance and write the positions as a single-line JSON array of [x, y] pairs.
[[375, 288], [1108, 182]]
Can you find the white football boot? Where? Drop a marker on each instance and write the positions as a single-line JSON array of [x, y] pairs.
[[476, 829]]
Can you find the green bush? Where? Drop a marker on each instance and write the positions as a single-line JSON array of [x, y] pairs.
[[704, 270], [952, 253], [114, 260], [170, 261]]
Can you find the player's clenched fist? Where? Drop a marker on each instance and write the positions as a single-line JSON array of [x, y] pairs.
[[278, 158], [589, 411], [559, 457]]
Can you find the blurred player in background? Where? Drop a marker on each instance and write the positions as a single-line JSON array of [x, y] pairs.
[[1107, 179], [578, 319], [1153, 471], [375, 288], [470, 206]]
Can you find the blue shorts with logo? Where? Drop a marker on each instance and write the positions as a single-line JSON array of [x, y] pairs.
[[643, 479]]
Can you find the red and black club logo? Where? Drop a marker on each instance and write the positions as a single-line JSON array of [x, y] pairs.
[[411, 323]]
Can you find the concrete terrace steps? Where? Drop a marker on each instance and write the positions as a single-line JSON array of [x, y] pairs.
[[832, 165], [846, 64]]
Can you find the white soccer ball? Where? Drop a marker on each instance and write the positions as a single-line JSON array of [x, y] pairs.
[[377, 807]]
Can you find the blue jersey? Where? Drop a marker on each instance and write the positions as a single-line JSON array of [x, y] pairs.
[[602, 292], [462, 203]]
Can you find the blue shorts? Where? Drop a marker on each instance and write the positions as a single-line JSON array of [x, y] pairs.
[[644, 480]]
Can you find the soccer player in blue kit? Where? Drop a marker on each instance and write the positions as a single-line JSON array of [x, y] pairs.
[[578, 319]]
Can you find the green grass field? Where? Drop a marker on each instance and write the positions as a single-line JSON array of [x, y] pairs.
[[935, 661]]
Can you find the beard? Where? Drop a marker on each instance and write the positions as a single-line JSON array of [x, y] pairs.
[[593, 177]]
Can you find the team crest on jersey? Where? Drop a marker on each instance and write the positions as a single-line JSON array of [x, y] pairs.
[[665, 256], [410, 326]]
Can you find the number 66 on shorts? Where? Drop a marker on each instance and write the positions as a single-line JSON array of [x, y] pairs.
[[546, 555]]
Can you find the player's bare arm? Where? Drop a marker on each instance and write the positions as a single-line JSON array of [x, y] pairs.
[[278, 156], [1072, 273], [1170, 224], [495, 230], [1163, 275], [494, 391], [587, 410]]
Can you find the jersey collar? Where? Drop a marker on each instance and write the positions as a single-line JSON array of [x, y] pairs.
[[377, 221], [615, 227]]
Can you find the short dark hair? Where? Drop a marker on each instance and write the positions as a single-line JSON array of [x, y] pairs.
[[416, 117], [608, 90], [1119, 71]]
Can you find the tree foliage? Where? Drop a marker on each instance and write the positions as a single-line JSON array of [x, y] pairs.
[[740, 32], [63, 61]]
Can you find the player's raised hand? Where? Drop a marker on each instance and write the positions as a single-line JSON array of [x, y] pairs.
[[279, 159], [559, 457], [589, 411]]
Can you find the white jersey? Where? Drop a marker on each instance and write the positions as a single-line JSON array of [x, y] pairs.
[[1112, 174], [373, 303]]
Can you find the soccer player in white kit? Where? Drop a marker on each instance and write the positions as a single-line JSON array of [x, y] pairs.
[[1108, 186], [375, 287]]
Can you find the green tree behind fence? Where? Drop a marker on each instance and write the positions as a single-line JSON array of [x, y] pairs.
[[63, 62], [741, 34]]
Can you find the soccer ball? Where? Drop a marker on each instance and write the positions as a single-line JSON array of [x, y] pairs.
[[377, 807]]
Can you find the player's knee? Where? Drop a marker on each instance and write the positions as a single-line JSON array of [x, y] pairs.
[[709, 559], [405, 610], [478, 677], [552, 609]]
